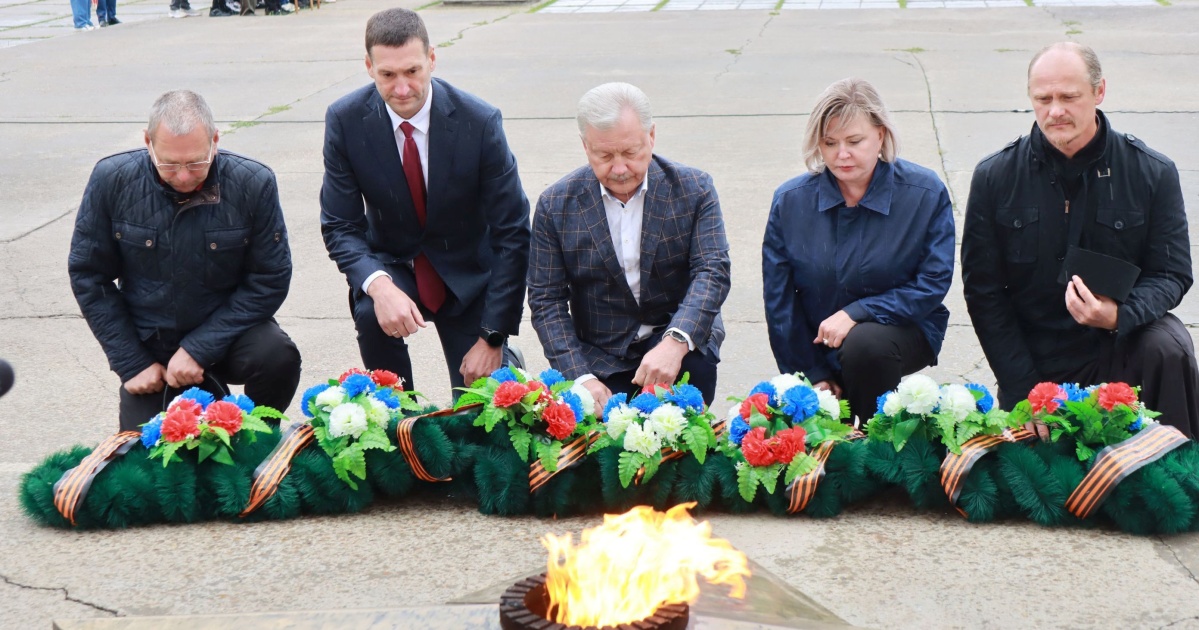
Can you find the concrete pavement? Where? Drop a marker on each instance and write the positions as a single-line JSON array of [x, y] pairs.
[[731, 90]]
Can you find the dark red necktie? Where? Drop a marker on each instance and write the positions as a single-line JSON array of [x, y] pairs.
[[429, 285]]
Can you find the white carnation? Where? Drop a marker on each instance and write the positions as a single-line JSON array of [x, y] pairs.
[[957, 401], [919, 394], [347, 419], [586, 398], [892, 405], [781, 384], [331, 397], [829, 403], [379, 413], [667, 421], [618, 420], [641, 440]]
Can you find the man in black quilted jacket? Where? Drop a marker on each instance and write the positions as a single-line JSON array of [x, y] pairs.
[[179, 261]]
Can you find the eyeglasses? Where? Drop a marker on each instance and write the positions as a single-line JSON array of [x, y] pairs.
[[191, 166]]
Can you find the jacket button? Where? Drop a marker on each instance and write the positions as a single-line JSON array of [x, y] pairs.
[[149, 243], [1119, 225], [118, 235], [1017, 223], [245, 241], [212, 246], [277, 237]]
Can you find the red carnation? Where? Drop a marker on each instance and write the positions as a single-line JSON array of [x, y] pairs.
[[761, 402], [186, 405], [347, 373], [561, 420], [788, 443], [508, 393], [1046, 397], [755, 449], [653, 388], [225, 415], [545, 395], [384, 378], [179, 425], [1113, 394]]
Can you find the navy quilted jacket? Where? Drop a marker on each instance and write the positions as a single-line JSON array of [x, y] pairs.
[[203, 267]]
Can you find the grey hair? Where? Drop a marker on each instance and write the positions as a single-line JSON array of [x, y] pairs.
[[1084, 52], [602, 106], [180, 111], [846, 100]]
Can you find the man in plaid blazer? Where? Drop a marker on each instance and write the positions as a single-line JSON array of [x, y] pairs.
[[629, 263]]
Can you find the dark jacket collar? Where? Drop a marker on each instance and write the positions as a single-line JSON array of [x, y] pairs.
[[1095, 150], [878, 194], [208, 193]]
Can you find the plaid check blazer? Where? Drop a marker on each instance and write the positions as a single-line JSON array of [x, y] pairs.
[[582, 307]]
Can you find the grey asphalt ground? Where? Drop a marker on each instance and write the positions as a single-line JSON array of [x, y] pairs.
[[731, 90]]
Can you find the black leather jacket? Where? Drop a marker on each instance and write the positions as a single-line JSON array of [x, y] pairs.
[[1129, 205], [203, 267]]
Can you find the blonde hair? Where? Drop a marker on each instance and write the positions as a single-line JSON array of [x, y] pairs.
[[846, 100]]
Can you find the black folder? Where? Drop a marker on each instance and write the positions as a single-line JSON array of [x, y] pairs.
[[1103, 274]]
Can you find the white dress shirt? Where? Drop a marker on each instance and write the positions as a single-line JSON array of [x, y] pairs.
[[420, 133]]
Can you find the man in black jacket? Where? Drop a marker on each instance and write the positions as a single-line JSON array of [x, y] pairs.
[[195, 240], [1075, 186]]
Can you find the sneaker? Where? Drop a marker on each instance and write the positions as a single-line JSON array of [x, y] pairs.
[[220, 12], [102, 23], [178, 13], [190, 12], [87, 27], [289, 7], [112, 21], [234, 6]]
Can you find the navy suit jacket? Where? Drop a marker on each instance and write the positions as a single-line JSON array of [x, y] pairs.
[[477, 228], [582, 307]]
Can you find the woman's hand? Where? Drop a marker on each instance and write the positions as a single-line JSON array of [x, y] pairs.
[[833, 330], [830, 385]]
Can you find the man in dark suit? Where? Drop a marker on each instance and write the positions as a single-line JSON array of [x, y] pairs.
[[422, 209], [630, 263]]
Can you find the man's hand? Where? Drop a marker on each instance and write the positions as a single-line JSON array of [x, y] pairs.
[[830, 385], [662, 364], [833, 330], [148, 381], [480, 361], [398, 315], [1088, 309], [600, 393], [1039, 428], [183, 370]]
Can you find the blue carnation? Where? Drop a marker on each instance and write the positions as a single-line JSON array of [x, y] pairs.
[[986, 402], [737, 430], [388, 397], [646, 403], [504, 374], [688, 397], [152, 431], [765, 388], [882, 402], [551, 377], [241, 400], [800, 402], [356, 384], [615, 401], [576, 404], [309, 394], [1075, 393], [1136, 426], [201, 397]]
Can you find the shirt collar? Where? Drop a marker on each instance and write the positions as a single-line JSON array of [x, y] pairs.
[[420, 121], [641, 190], [878, 194]]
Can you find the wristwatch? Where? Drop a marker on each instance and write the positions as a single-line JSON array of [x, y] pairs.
[[494, 338], [678, 336]]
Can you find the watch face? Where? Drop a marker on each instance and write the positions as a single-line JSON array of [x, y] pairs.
[[493, 338]]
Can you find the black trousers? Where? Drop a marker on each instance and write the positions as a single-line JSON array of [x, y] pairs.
[[1160, 357], [457, 333], [264, 359], [701, 367], [873, 358]]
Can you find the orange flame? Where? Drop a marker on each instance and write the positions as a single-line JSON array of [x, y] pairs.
[[625, 569]]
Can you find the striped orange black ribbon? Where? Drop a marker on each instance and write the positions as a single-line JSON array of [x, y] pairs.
[[407, 447], [957, 467], [803, 487], [669, 454], [275, 467], [72, 487], [1118, 461], [570, 455]]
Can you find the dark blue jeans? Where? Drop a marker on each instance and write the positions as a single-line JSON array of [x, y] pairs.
[[106, 10]]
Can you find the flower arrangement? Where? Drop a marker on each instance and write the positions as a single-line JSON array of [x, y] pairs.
[[660, 418], [770, 430], [195, 420], [1095, 416], [951, 414], [540, 413], [350, 415]]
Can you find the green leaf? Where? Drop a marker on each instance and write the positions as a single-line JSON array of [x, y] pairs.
[[548, 454], [342, 463], [747, 483], [207, 448], [1083, 451], [250, 422], [601, 443], [375, 437], [221, 435], [902, 431], [801, 465], [769, 476], [520, 441], [627, 466], [471, 397], [222, 456], [168, 452], [697, 441], [492, 418], [966, 431], [262, 411], [756, 419], [651, 466]]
